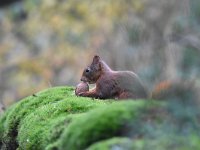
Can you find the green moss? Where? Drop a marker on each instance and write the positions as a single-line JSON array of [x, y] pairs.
[[173, 143], [135, 119], [100, 124], [26, 106], [56, 119], [44, 126], [39, 110], [113, 143], [2, 123]]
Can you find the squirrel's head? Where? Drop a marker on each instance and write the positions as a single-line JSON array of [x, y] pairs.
[[92, 73]]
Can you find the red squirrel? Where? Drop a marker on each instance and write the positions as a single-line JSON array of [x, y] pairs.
[[111, 84]]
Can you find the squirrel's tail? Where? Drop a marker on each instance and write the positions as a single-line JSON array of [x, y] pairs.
[[176, 90]]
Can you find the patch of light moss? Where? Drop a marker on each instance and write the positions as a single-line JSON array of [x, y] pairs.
[[100, 124], [32, 115], [159, 143], [56, 119], [113, 143], [44, 126]]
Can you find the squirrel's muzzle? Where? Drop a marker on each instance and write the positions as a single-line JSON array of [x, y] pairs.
[[83, 79]]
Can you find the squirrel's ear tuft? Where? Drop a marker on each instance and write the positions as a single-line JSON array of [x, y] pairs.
[[96, 59]]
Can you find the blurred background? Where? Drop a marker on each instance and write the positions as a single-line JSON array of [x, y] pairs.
[[47, 43]]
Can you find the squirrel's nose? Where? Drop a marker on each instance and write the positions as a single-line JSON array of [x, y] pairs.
[[82, 79]]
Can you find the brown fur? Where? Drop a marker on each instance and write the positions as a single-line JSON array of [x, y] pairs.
[[111, 84], [179, 89]]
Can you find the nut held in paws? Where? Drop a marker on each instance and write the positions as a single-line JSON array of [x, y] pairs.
[[81, 87]]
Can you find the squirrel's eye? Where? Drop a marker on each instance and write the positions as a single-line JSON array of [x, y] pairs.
[[87, 70]]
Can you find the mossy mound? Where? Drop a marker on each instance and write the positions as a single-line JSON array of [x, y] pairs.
[[29, 124], [149, 123], [113, 143], [175, 143], [55, 119]]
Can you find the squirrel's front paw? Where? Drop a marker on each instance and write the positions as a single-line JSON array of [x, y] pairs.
[[81, 94]]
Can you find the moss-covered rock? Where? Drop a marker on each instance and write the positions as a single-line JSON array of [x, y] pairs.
[[55, 119], [27, 124], [113, 143], [99, 124], [174, 143]]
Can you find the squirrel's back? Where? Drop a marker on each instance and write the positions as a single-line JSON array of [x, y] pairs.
[[129, 81]]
